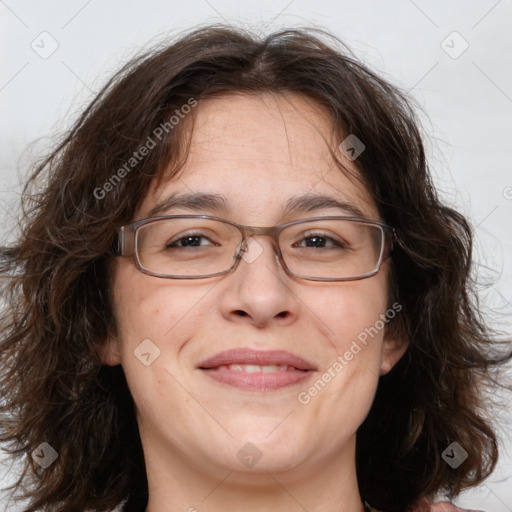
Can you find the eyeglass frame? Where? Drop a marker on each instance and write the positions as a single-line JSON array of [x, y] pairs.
[[128, 233]]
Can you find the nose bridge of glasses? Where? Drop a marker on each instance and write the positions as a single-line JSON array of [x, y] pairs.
[[250, 232]]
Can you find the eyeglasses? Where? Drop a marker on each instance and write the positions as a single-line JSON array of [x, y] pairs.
[[199, 246]]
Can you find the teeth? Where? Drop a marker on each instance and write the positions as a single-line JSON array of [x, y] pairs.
[[255, 368], [250, 368], [271, 368]]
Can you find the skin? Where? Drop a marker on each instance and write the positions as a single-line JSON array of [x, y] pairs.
[[193, 427]]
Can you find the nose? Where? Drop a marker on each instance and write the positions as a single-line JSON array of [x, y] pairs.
[[259, 291]]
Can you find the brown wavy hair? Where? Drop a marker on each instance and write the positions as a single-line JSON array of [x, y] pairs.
[[55, 277]]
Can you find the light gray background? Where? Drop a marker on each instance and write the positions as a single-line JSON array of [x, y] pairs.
[[467, 97]]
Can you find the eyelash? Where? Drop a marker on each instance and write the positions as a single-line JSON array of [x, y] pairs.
[[305, 236]]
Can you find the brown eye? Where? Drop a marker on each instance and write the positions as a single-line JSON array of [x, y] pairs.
[[189, 240]]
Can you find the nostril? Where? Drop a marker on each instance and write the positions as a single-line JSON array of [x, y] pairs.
[[240, 312], [283, 314]]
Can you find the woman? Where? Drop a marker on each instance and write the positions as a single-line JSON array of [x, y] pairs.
[[238, 288]]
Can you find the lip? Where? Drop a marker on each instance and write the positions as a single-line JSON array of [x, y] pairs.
[[216, 368], [259, 357]]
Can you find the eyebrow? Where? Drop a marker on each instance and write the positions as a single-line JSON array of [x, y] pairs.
[[216, 203]]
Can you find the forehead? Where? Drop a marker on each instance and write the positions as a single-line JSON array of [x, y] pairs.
[[257, 152]]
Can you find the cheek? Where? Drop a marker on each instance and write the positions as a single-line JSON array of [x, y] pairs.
[[147, 307], [349, 311], [156, 319]]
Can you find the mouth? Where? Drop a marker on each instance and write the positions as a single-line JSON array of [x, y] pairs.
[[257, 370]]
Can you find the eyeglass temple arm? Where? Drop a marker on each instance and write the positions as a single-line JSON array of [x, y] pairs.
[[125, 243], [394, 240]]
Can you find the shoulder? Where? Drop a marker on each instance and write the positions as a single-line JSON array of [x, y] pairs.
[[443, 506]]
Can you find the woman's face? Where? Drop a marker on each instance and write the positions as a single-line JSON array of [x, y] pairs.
[[256, 152]]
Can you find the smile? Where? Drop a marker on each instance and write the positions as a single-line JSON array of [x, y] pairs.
[[257, 370]]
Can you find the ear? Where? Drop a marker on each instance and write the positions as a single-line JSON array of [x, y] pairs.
[[393, 348], [109, 353]]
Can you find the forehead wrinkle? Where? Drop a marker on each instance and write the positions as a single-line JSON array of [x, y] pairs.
[[321, 114], [287, 100]]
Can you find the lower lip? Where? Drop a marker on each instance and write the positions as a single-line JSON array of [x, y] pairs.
[[258, 381]]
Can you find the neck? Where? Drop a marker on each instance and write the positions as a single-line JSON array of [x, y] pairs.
[[328, 484]]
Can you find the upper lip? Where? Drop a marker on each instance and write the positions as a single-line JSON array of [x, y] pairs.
[[257, 357]]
